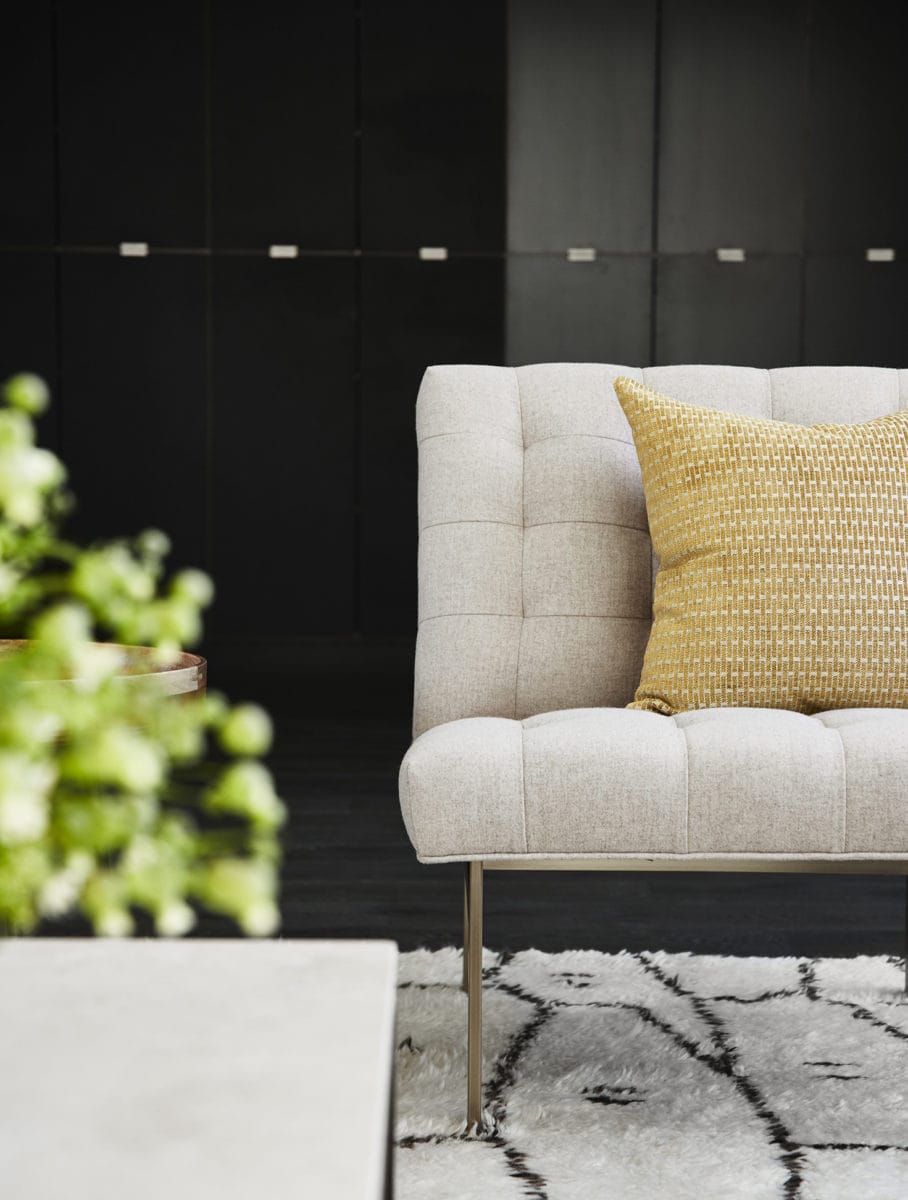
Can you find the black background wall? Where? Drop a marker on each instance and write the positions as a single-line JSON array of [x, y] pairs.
[[261, 409]]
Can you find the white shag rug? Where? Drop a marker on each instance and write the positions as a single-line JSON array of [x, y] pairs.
[[656, 1077]]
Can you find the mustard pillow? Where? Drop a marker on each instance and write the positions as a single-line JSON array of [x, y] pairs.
[[783, 559]]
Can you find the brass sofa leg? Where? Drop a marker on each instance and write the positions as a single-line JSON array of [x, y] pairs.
[[474, 991], [465, 984]]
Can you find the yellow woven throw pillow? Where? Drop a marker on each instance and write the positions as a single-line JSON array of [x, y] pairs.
[[783, 577]]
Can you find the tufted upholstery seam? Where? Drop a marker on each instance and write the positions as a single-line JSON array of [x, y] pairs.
[[514, 616], [471, 521], [898, 389], [523, 546], [561, 437], [609, 524], [483, 435], [510, 616], [682, 729], [836, 730], [534, 525], [844, 789], [523, 788]]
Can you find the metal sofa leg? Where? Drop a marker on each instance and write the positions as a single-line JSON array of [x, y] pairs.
[[473, 957], [465, 985]]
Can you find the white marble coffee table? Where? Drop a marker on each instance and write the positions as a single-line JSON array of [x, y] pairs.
[[195, 1069]]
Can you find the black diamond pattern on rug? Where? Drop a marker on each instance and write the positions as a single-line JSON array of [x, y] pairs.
[[655, 1075]]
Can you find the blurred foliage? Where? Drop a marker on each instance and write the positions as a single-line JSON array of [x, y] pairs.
[[115, 797]]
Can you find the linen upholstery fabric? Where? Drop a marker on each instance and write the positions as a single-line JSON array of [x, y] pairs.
[[535, 594], [784, 558], [612, 782], [535, 564]]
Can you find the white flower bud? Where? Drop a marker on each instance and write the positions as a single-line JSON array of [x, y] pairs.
[[28, 392], [30, 726], [178, 619], [38, 468], [141, 853], [63, 629], [175, 919], [153, 543], [117, 755], [23, 818], [15, 429], [9, 580], [247, 788], [166, 652], [260, 919], [25, 475], [195, 586], [246, 730], [61, 891], [111, 573], [245, 888], [25, 509], [24, 790], [114, 923]]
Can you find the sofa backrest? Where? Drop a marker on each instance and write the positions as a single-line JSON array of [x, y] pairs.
[[535, 563]]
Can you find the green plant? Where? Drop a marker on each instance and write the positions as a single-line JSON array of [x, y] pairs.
[[109, 801]]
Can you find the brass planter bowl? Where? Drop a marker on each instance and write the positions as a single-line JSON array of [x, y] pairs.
[[186, 675]]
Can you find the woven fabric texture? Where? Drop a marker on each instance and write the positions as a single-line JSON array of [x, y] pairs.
[[783, 551]]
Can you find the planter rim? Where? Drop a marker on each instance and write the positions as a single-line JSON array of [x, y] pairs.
[[185, 673]]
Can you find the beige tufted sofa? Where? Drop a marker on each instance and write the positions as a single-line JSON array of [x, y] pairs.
[[535, 585]]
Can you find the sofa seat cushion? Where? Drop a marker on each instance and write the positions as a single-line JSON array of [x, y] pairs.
[[607, 782]]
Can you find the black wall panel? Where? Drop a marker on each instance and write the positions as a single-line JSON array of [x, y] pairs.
[[133, 429], [132, 122], [743, 314], [283, 438], [731, 124], [580, 103], [27, 307], [856, 313], [857, 157], [560, 311], [27, 126], [414, 314], [262, 410], [283, 87], [433, 124], [28, 327]]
